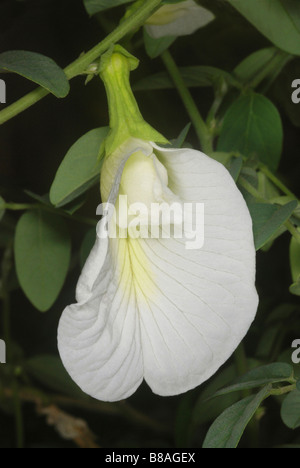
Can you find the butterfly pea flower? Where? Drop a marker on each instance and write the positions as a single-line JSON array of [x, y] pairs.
[[163, 308], [178, 19]]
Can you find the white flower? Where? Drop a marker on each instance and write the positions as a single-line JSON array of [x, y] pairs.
[[151, 308], [179, 19]]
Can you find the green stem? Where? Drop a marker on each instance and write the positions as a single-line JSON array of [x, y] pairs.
[[293, 230], [50, 209], [283, 390], [252, 190], [78, 66], [203, 133], [276, 181]]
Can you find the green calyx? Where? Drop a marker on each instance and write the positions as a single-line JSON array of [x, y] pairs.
[[126, 121]]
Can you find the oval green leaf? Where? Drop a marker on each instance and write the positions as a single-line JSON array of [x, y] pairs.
[[267, 220], [37, 68], [42, 255], [278, 20], [260, 65], [228, 428], [80, 169], [252, 126], [290, 410]]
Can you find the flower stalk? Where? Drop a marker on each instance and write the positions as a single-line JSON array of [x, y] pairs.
[[78, 66], [203, 133]]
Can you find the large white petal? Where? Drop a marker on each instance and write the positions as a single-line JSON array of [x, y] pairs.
[[99, 336], [152, 308], [201, 302]]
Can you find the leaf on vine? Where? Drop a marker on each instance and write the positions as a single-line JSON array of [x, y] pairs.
[[267, 220], [278, 20], [80, 169], [255, 64], [290, 410], [252, 126], [37, 68], [227, 430], [42, 254]]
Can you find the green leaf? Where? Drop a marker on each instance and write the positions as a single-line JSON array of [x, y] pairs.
[[267, 219], [80, 169], [37, 68], [49, 371], [180, 140], [270, 373], [256, 64], [290, 410], [228, 428], [278, 20], [223, 158], [206, 409], [252, 126], [95, 6], [196, 76], [295, 258], [155, 47], [42, 254], [235, 167]]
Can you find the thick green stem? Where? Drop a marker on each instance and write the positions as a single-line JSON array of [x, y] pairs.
[[203, 133], [81, 64]]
